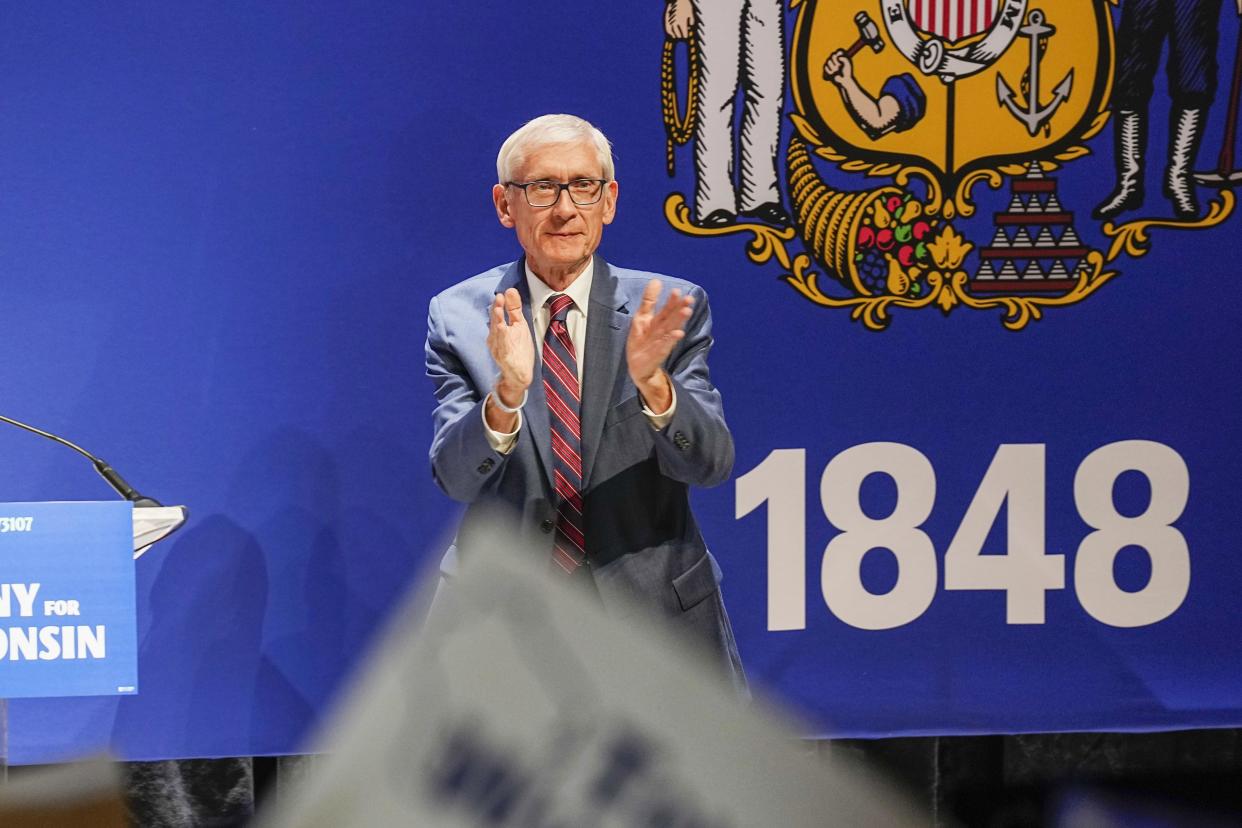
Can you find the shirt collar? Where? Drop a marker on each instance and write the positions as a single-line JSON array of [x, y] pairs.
[[579, 289]]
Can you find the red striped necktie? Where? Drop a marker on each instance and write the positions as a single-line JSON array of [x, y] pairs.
[[560, 386]]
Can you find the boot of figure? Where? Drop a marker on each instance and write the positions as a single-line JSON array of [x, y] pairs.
[[1129, 146], [1185, 134]]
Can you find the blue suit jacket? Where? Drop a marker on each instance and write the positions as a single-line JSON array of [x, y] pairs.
[[642, 539]]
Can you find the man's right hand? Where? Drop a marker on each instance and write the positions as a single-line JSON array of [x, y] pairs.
[[511, 346], [839, 69]]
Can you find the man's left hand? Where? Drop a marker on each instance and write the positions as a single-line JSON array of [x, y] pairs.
[[679, 19], [653, 334]]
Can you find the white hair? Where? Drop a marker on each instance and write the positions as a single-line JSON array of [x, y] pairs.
[[544, 131]]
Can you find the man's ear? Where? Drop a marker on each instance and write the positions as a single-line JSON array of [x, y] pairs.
[[500, 197], [613, 190]]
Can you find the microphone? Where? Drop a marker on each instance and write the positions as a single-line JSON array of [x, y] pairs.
[[108, 473], [153, 521]]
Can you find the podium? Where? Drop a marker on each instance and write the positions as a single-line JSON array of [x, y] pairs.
[[154, 523], [67, 602]]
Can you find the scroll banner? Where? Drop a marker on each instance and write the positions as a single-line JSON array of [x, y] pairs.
[[973, 282], [67, 600]]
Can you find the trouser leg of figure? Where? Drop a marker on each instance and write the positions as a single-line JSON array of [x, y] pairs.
[[1140, 38], [1129, 147], [763, 90], [1141, 35], [717, 29]]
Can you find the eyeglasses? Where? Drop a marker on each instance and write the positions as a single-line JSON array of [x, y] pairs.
[[582, 191]]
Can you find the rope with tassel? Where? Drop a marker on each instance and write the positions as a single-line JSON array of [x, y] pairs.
[[678, 126]]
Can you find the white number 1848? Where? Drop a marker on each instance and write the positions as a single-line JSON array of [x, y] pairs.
[[1024, 573]]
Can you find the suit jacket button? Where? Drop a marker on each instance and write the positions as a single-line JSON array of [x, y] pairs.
[[486, 466], [547, 526]]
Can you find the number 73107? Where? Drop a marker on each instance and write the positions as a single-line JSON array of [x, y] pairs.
[[1025, 572]]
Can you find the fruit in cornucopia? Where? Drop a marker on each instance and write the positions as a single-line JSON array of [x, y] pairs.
[[910, 212], [921, 230], [898, 282], [883, 218], [905, 255], [893, 204], [884, 239], [902, 233], [866, 236]]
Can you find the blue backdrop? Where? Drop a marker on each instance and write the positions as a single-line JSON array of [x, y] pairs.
[[220, 226]]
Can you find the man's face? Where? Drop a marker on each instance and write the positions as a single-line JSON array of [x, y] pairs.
[[559, 239]]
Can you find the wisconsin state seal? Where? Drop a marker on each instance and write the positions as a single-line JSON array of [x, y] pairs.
[[907, 118]]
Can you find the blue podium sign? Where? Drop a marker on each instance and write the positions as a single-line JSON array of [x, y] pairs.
[[67, 600]]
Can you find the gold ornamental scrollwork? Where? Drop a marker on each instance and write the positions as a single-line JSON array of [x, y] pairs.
[[1134, 237]]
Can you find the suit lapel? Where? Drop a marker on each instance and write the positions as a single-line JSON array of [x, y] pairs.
[[607, 327], [535, 412]]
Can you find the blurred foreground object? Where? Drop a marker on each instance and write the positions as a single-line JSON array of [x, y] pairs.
[[518, 703], [1084, 807], [83, 795]]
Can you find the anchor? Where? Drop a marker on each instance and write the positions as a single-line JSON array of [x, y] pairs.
[[1034, 116]]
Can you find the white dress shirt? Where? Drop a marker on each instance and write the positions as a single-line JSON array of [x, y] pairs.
[[579, 290]]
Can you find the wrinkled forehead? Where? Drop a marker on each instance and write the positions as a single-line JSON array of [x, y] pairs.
[[560, 160]]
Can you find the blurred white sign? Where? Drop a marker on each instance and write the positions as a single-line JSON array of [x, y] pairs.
[[519, 703]]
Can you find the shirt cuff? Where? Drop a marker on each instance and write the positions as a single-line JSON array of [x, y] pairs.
[[660, 421], [500, 442]]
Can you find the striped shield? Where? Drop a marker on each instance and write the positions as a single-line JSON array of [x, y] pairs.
[[953, 20]]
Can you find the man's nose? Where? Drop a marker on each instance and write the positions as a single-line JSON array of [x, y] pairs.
[[564, 206]]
